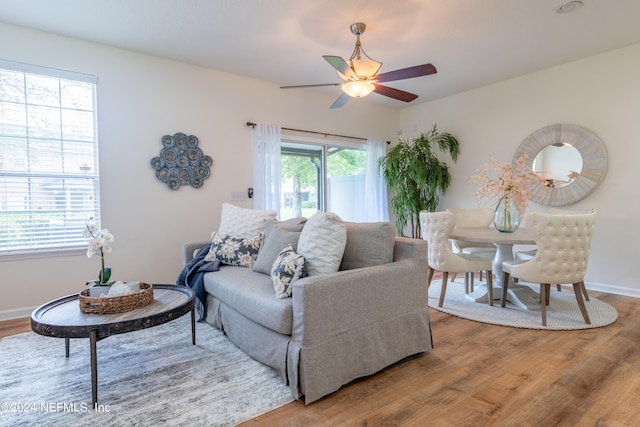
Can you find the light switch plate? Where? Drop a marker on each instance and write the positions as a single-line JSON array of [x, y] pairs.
[[238, 196]]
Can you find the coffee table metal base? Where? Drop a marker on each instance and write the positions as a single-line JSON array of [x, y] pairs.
[[62, 318], [93, 341]]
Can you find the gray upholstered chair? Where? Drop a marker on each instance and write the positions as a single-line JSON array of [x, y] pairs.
[[564, 244], [436, 228], [473, 218]]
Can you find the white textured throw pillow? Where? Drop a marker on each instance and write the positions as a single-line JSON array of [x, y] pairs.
[[322, 242], [239, 222]]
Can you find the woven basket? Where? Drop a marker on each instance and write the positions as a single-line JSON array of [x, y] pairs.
[[120, 304]]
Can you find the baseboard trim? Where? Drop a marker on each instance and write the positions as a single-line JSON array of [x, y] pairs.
[[16, 313], [617, 290]]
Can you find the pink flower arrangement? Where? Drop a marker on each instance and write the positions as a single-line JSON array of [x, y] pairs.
[[510, 182]]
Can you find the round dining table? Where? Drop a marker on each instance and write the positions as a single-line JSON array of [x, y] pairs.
[[519, 295]]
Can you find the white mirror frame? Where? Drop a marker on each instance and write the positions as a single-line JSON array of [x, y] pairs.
[[594, 162]]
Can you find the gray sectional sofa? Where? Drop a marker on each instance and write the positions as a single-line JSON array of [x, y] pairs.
[[335, 327]]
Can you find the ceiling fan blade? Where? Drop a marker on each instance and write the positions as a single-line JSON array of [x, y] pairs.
[[407, 73], [398, 94], [341, 65], [342, 99], [316, 85]]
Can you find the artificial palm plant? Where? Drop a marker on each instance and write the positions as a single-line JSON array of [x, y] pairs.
[[416, 177]]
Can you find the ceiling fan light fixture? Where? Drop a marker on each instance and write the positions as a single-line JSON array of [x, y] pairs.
[[360, 74], [365, 68], [358, 88], [359, 62]]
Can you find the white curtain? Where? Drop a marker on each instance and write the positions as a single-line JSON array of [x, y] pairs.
[[266, 167], [375, 194]]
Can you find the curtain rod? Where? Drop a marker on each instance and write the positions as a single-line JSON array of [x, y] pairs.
[[253, 125]]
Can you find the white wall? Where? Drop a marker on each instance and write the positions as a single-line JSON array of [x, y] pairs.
[[140, 99], [601, 93]]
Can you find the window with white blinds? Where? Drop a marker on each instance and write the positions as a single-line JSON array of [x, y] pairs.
[[49, 182]]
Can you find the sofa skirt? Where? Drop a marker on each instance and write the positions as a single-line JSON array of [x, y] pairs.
[[317, 370], [327, 366], [260, 343]]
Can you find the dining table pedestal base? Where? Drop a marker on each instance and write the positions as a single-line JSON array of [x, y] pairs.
[[521, 296]]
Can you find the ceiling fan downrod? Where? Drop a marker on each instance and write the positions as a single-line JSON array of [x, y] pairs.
[[365, 68], [357, 29]]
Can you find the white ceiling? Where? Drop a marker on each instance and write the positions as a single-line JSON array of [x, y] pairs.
[[472, 43]]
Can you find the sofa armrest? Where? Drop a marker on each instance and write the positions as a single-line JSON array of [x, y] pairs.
[[326, 306], [188, 249], [408, 248]]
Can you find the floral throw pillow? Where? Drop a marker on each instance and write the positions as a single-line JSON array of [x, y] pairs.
[[241, 251], [287, 268]]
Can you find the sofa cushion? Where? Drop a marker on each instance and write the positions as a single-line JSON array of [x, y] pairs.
[[239, 222], [368, 244], [241, 251], [277, 235], [322, 243], [292, 224], [251, 294], [287, 268]]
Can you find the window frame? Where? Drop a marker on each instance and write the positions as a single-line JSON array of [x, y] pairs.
[[69, 243]]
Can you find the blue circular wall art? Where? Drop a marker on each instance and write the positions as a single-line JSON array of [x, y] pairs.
[[181, 162]]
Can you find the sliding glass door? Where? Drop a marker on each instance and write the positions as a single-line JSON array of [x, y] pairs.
[[322, 177]]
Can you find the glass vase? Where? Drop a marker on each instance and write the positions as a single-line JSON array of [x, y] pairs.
[[506, 217]]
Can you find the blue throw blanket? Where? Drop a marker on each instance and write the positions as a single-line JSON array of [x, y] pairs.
[[192, 275]]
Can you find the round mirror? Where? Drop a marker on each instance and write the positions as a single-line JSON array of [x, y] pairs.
[[571, 160], [558, 164]]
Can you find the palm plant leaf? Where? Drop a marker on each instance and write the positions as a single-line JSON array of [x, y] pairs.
[[416, 177]]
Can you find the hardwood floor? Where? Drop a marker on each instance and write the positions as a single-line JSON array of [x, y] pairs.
[[15, 326], [485, 375]]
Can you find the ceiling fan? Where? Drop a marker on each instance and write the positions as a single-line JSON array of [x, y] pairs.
[[360, 74]]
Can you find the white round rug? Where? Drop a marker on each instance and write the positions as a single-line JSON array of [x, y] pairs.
[[562, 312]]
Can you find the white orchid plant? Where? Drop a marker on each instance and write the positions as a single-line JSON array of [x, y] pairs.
[[99, 243]]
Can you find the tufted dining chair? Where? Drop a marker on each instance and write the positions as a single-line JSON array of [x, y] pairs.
[[563, 243], [529, 254], [473, 218], [436, 227]]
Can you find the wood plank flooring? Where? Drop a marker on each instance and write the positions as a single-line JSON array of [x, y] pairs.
[[15, 326], [486, 375]]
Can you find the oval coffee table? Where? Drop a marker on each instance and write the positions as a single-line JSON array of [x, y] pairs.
[[62, 318]]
